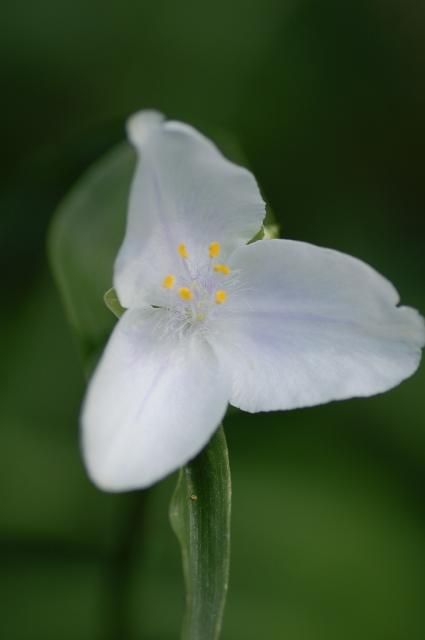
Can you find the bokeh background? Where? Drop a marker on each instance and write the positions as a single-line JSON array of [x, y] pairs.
[[327, 101]]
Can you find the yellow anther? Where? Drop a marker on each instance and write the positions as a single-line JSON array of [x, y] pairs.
[[182, 251], [169, 281], [185, 293], [220, 296], [214, 249], [222, 268]]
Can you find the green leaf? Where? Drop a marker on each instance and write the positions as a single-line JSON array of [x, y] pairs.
[[84, 239], [200, 518]]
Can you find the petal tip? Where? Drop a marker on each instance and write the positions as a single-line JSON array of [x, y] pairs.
[[142, 124], [106, 475]]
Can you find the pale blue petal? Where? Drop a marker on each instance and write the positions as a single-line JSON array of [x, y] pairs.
[[307, 325]]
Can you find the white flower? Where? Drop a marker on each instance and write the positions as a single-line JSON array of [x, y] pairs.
[[210, 320]]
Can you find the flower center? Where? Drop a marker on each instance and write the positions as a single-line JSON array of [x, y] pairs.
[[195, 294]]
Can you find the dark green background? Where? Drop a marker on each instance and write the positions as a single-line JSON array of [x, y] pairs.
[[327, 100]]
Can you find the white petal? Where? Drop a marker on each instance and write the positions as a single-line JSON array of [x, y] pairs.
[[183, 191], [142, 124], [309, 325], [152, 404]]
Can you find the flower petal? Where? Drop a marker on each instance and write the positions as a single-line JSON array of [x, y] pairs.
[[152, 404], [183, 191], [308, 325]]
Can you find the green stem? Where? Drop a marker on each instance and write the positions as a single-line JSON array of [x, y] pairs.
[[200, 518]]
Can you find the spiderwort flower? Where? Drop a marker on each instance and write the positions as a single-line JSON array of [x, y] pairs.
[[210, 320]]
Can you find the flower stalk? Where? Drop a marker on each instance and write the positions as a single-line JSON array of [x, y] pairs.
[[200, 517]]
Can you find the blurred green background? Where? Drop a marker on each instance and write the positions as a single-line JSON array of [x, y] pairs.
[[327, 101]]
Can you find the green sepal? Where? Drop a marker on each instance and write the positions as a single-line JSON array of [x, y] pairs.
[[111, 300], [84, 239]]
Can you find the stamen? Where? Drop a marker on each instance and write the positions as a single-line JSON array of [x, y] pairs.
[[168, 282], [222, 268], [182, 251], [185, 293], [214, 249], [220, 296]]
